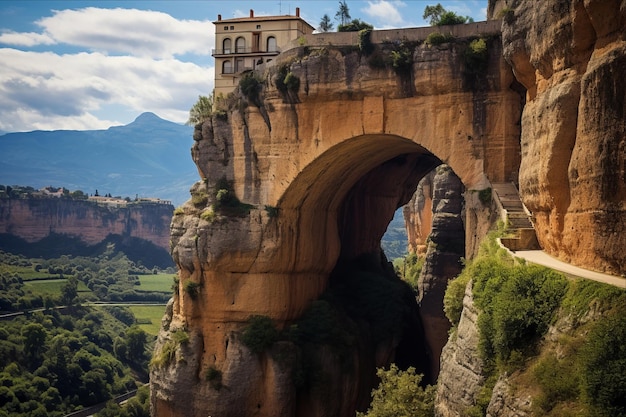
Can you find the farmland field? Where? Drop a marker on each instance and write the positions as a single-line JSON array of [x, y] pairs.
[[156, 282], [148, 317], [52, 286]]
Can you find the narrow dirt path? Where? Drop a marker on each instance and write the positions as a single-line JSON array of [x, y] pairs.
[[541, 258]]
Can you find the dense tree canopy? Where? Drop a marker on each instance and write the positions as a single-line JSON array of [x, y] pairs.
[[438, 16], [354, 26]]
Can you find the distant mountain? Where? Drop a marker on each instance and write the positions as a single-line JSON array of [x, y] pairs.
[[149, 157]]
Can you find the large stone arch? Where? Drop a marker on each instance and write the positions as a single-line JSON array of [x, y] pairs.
[[320, 171]]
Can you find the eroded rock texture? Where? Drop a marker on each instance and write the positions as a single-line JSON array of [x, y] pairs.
[[446, 247], [298, 184], [461, 376], [570, 55], [36, 218]]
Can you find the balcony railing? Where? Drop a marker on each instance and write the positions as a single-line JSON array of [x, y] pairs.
[[242, 51], [233, 71]]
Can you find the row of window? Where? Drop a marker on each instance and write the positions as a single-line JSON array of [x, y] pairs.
[[240, 45], [227, 66], [233, 28]]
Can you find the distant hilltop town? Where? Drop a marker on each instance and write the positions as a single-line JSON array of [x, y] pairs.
[[26, 192]]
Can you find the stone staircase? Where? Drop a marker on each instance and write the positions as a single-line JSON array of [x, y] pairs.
[[513, 212]]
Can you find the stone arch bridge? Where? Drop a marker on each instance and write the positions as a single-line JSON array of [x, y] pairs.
[[319, 156]]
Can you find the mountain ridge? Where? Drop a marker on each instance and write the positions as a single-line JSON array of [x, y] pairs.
[[148, 157]]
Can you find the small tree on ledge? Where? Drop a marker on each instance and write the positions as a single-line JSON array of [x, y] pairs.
[[201, 111]]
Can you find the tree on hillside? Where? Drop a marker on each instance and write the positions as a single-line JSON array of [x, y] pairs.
[[343, 14], [354, 26], [34, 336], [325, 24], [438, 16], [399, 394], [136, 340], [69, 292]]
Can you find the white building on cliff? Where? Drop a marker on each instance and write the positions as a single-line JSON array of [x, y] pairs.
[[245, 42]]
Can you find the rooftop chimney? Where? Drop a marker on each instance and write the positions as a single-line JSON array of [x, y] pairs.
[[251, 13], [297, 12], [219, 17]]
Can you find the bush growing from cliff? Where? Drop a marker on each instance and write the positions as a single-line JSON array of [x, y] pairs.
[[399, 394], [287, 83], [365, 42], [476, 56], [167, 354], [517, 306], [214, 376], [201, 110], [436, 38], [250, 86], [603, 363], [259, 334], [484, 196], [226, 202], [192, 288], [402, 58], [412, 268], [453, 298]]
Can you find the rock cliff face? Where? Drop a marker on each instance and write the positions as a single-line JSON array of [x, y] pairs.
[[298, 184], [443, 257], [35, 218], [570, 56], [461, 377], [418, 215]]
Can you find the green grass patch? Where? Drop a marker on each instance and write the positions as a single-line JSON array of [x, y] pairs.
[[148, 318], [157, 282], [52, 286], [27, 273]]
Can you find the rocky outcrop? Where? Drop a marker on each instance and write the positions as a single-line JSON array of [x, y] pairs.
[[446, 247], [461, 376], [570, 56], [418, 215], [32, 219], [299, 180]]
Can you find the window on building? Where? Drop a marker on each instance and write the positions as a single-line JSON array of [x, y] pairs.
[[227, 67], [271, 44], [239, 65], [232, 28], [226, 46], [258, 26], [225, 27], [240, 45]]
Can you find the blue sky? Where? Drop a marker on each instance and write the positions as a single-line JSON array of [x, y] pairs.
[[85, 65]]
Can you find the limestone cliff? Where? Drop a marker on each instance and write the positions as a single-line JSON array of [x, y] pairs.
[[418, 215], [301, 171], [570, 56], [443, 257], [461, 376], [32, 219]]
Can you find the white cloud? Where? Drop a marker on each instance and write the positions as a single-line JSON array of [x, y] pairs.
[[25, 39], [44, 90], [385, 12], [133, 62], [120, 31]]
